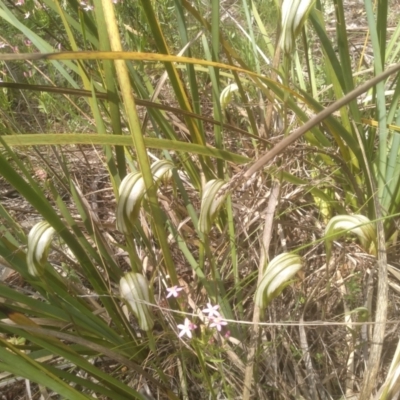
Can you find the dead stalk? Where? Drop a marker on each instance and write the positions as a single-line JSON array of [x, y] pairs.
[[266, 240]]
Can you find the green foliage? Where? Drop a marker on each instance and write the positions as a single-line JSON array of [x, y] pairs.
[[354, 291]]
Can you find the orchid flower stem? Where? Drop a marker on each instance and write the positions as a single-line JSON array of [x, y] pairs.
[[136, 264], [152, 342], [200, 355], [286, 74]]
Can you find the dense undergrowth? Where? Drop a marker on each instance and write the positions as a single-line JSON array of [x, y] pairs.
[[199, 200]]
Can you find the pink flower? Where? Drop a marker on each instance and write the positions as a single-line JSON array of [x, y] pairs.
[[218, 323], [211, 310], [20, 3], [86, 6], [186, 328], [173, 291]]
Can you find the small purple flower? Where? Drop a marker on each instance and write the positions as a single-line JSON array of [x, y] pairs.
[[218, 323], [212, 310], [173, 291], [186, 328]]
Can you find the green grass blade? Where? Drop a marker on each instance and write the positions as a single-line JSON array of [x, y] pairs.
[[194, 89], [137, 136], [110, 84], [383, 194], [37, 41], [21, 365], [162, 144], [56, 347], [175, 80]]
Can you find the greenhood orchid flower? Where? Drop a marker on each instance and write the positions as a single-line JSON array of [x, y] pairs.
[[211, 202], [132, 191], [294, 14], [134, 289], [39, 240], [276, 277]]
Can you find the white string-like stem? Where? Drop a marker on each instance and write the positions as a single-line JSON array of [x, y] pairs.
[[261, 324]]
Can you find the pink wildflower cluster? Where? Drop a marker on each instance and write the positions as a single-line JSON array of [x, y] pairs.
[[86, 6], [214, 316], [212, 312]]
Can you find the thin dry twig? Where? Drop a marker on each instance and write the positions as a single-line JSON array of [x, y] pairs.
[[382, 295], [284, 143], [266, 240]]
